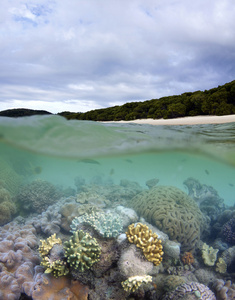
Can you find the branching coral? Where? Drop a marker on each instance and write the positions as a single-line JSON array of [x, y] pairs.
[[82, 251], [133, 283], [224, 290], [53, 259], [144, 238], [107, 225]]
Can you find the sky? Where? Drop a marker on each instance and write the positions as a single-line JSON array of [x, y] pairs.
[[80, 55]]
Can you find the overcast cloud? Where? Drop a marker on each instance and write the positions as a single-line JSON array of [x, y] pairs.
[[79, 55]]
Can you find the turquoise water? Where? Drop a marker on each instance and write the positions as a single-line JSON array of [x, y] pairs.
[[54, 149]]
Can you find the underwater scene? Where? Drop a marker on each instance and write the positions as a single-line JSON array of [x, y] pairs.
[[110, 211]]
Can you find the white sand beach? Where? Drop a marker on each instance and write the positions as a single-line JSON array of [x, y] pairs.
[[186, 120]]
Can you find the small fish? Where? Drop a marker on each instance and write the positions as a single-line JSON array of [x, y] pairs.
[[88, 161], [129, 161], [38, 170], [111, 172], [207, 172], [231, 184]]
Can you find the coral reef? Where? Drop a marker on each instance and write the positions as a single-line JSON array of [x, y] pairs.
[[152, 182], [194, 289], [229, 257], [187, 258], [144, 238], [37, 196], [173, 212], [81, 251], [209, 255], [133, 283], [52, 254], [107, 225], [224, 290]]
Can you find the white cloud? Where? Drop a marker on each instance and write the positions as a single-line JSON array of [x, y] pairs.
[[112, 51]]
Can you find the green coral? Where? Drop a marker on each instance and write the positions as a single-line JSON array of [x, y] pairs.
[[53, 259], [107, 225], [133, 283], [82, 251]]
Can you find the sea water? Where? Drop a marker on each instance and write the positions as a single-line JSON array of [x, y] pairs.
[[56, 150]]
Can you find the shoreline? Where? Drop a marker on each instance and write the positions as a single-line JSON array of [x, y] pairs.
[[196, 120]]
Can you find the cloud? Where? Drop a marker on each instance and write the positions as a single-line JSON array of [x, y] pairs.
[[80, 55]]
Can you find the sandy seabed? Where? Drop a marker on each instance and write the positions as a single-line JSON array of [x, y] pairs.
[[186, 120]]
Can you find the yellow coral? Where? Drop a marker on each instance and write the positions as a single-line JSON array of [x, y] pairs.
[[46, 245], [133, 283], [144, 238], [209, 255], [221, 266]]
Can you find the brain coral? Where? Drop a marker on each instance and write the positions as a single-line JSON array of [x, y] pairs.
[[82, 251], [173, 212]]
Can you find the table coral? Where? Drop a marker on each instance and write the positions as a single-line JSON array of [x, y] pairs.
[[144, 238], [107, 225], [82, 251], [133, 283], [173, 212]]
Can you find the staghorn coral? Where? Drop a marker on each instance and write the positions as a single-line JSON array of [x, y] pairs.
[[37, 196], [224, 290], [187, 258], [133, 283], [52, 254], [209, 255], [142, 237], [81, 251], [191, 290], [7, 207], [173, 212], [107, 225]]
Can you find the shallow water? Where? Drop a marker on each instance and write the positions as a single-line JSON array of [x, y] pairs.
[[49, 165], [57, 150]]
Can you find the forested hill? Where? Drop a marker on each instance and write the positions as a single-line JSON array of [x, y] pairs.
[[22, 112], [217, 101]]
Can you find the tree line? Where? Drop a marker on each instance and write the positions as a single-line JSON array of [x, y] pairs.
[[217, 101]]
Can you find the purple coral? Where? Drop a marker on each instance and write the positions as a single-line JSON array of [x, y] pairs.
[[187, 290], [228, 231]]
